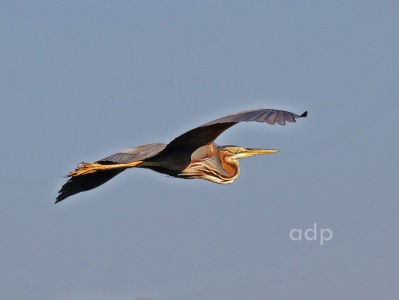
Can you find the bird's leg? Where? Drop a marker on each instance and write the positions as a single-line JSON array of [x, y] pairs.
[[88, 168]]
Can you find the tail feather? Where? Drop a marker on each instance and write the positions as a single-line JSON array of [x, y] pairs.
[[77, 184]]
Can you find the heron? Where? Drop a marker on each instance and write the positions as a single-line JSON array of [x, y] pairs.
[[191, 155]]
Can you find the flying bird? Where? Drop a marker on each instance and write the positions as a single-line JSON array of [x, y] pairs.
[[191, 155]]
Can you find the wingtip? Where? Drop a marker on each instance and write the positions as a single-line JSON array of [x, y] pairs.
[[305, 114]]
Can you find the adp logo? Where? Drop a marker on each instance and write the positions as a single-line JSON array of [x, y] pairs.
[[311, 234]]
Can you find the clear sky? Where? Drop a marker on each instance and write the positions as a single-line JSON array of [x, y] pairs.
[[80, 80]]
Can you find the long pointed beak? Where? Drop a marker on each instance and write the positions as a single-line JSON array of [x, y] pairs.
[[247, 152]]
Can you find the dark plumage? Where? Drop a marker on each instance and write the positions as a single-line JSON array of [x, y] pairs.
[[191, 155]]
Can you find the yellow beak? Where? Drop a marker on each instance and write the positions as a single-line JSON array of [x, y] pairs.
[[247, 152]]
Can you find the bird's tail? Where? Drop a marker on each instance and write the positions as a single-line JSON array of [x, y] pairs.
[[88, 176]]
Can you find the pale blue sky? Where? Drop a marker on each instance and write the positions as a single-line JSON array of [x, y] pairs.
[[80, 80]]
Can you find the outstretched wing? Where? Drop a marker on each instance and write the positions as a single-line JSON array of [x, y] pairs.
[[87, 182], [77, 184], [134, 154], [208, 132]]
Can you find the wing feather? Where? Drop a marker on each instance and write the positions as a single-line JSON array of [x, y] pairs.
[[134, 154], [208, 132]]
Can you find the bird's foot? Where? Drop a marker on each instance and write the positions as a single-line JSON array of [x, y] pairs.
[[86, 168]]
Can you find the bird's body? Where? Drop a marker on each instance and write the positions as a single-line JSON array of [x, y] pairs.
[[191, 155]]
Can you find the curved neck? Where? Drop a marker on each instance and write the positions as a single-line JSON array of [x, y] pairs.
[[230, 167], [214, 166]]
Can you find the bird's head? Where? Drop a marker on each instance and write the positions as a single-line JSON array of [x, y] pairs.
[[236, 152]]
